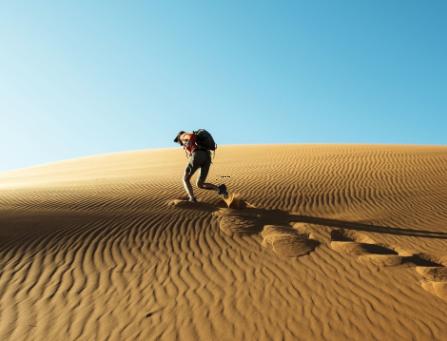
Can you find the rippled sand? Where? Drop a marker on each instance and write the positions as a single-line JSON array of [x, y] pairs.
[[327, 242]]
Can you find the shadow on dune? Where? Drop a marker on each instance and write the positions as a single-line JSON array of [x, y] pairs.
[[278, 217], [262, 216], [33, 228], [369, 227]]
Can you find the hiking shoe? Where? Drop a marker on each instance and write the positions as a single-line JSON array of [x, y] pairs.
[[223, 190]]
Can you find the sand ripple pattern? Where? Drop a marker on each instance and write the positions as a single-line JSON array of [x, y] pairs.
[[356, 236]]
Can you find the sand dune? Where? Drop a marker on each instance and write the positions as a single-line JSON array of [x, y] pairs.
[[327, 242]]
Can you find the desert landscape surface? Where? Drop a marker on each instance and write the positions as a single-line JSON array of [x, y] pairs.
[[317, 242]]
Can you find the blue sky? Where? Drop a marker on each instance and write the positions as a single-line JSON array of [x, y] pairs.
[[88, 77]]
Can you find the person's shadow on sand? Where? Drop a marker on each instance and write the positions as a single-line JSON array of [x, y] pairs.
[[289, 235], [260, 217]]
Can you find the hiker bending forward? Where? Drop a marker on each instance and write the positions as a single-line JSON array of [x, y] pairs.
[[197, 145]]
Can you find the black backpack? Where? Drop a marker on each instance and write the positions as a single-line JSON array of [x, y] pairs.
[[204, 140]]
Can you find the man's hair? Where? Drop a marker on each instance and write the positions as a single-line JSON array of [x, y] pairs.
[[177, 138]]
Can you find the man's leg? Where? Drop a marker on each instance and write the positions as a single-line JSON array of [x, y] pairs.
[[207, 185], [221, 189], [188, 187], [202, 177], [189, 171]]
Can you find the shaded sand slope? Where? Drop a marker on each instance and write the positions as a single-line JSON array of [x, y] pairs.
[[339, 242]]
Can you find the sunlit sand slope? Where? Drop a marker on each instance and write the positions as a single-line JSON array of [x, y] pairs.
[[327, 242]]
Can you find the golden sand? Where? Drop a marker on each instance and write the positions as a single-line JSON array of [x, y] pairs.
[[327, 242]]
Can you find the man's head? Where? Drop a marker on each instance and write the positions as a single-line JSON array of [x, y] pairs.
[[177, 138]]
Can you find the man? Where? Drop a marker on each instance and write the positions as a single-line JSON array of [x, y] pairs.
[[199, 157]]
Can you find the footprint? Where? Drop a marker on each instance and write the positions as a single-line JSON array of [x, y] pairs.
[[364, 248], [436, 288], [286, 241], [234, 200], [433, 272], [234, 221], [181, 203], [186, 204], [298, 239], [434, 275]]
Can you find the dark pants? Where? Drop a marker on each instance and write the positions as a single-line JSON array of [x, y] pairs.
[[199, 159]]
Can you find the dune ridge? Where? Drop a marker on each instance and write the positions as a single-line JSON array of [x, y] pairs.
[[325, 242]]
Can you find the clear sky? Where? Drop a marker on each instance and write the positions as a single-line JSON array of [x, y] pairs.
[[80, 78]]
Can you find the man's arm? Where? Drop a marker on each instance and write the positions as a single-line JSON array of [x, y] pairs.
[[187, 140]]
